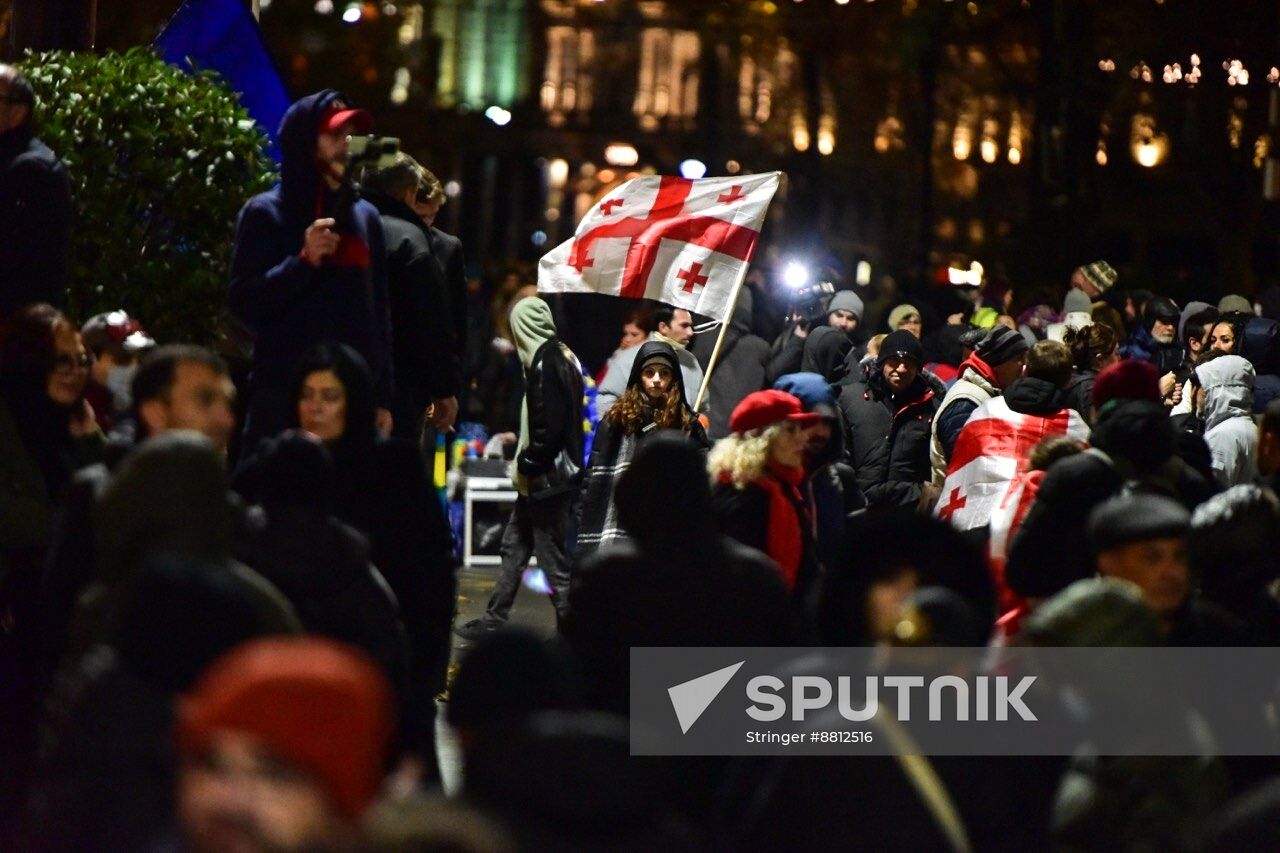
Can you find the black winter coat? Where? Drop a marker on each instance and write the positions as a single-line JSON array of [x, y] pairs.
[[1079, 392], [888, 437], [35, 222], [447, 250], [553, 393]]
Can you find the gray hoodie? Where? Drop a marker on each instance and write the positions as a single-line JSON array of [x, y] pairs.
[[1229, 429]]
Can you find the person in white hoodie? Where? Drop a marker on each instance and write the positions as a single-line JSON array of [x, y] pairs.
[[1224, 400]]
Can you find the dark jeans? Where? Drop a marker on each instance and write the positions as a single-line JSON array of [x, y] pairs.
[[541, 528]]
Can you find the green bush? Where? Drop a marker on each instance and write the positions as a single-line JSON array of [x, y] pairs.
[[160, 163]]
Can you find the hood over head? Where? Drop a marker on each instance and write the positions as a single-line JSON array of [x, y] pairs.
[[825, 351], [300, 180], [532, 326], [1228, 389], [661, 351], [743, 312], [1260, 343], [1192, 308]]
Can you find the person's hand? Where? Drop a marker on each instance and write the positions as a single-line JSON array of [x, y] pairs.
[[1167, 383], [1176, 397], [320, 241], [956, 319], [383, 421], [83, 421], [801, 331], [444, 411]]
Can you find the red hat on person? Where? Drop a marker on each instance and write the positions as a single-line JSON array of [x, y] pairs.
[[1131, 379], [319, 704], [766, 408], [337, 115]]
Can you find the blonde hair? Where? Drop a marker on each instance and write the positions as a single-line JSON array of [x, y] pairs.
[[742, 456]]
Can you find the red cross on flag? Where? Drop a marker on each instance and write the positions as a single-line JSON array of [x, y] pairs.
[[683, 242], [990, 453]]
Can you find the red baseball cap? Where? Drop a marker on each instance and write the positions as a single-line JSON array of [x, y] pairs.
[[766, 408], [337, 115]]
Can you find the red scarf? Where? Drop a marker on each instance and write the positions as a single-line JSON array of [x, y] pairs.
[[784, 542]]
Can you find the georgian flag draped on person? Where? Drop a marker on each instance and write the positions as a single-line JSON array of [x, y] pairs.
[[683, 242], [990, 453]]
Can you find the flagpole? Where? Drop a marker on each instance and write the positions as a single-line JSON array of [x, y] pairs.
[[715, 353]]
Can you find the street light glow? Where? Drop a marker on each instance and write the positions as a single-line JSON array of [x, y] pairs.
[[352, 14], [498, 116], [693, 169], [621, 154]]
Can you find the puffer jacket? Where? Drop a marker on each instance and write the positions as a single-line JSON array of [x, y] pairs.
[[1228, 418], [888, 436], [1166, 357]]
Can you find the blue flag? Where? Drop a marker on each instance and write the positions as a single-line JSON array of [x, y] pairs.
[[223, 36]]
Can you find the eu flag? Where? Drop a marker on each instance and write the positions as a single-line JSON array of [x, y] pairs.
[[223, 36]]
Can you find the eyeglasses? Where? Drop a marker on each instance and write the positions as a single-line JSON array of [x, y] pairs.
[[68, 363]]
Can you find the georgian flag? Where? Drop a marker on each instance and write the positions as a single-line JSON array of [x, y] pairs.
[[990, 453], [683, 242]]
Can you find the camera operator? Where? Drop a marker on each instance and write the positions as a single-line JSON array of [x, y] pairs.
[[309, 264], [808, 311]]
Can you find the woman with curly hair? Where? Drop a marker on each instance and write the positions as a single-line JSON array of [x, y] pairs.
[[758, 474], [1092, 348], [654, 401]]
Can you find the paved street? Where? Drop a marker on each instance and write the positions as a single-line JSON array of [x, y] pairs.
[[532, 611]]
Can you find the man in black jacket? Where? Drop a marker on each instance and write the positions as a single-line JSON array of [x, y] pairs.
[[447, 249], [35, 205], [423, 353], [888, 416], [549, 459]]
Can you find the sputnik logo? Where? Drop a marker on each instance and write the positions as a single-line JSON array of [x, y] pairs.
[[691, 698]]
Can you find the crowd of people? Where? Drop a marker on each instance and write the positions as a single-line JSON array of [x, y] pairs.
[[225, 607]]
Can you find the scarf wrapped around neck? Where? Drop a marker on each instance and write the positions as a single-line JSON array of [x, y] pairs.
[[784, 541]]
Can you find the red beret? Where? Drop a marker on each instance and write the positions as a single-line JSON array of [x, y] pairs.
[[316, 703], [1131, 379], [766, 408]]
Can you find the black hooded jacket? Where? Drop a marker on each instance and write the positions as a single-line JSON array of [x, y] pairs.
[[424, 350], [825, 353], [598, 523], [290, 305]]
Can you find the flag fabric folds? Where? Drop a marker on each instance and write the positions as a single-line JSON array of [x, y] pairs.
[[223, 36], [684, 242], [990, 453]]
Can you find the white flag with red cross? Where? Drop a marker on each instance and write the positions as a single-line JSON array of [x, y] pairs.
[[683, 242], [991, 451]]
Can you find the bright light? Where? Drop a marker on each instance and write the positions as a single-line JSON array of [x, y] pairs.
[[989, 150], [733, 167], [264, 4], [693, 169], [539, 238], [862, 274], [353, 13], [558, 172], [452, 188], [1015, 156], [1147, 154], [795, 275], [324, 7], [621, 154], [826, 142], [971, 277], [498, 116]]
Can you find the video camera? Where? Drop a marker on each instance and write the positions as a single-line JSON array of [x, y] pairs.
[[375, 152], [363, 152]]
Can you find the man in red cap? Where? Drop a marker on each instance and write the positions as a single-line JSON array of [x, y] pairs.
[[281, 745], [309, 264]]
